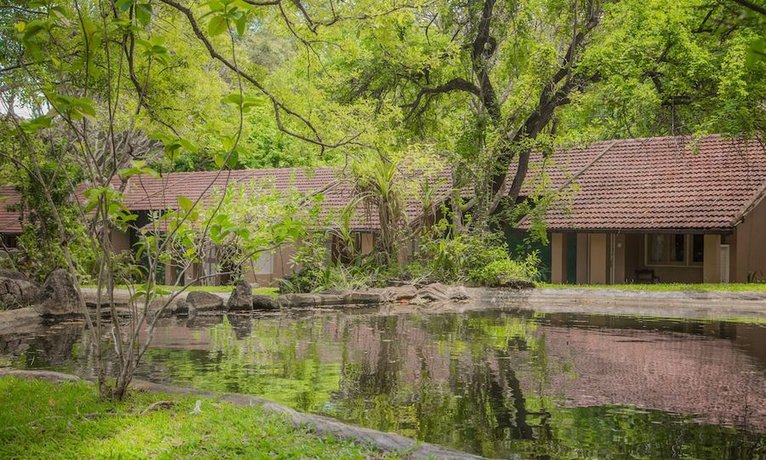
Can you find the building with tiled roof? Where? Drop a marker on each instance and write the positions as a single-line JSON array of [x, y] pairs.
[[672, 209], [147, 194]]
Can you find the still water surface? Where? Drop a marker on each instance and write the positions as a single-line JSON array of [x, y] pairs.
[[496, 383]]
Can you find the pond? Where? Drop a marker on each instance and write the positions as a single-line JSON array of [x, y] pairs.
[[497, 382]]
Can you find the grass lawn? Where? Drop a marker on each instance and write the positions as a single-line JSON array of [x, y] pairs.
[[665, 286], [39, 419]]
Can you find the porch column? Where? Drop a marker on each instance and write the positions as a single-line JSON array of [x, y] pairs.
[[618, 259], [558, 258], [711, 259], [582, 258], [597, 269], [171, 272]]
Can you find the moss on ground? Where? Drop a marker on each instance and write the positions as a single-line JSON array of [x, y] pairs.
[[39, 419]]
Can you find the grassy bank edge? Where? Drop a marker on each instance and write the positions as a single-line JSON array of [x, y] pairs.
[[40, 419], [665, 287]]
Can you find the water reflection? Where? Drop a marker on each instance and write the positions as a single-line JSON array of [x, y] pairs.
[[494, 382]]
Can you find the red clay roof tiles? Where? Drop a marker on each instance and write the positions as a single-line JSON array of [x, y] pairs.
[[668, 183], [9, 220]]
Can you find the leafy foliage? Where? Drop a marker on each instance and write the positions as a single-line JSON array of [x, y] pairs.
[[481, 259]]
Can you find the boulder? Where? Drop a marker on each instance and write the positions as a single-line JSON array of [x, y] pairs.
[[399, 293], [16, 291], [265, 302], [364, 298], [59, 295], [203, 301], [13, 274], [435, 292], [438, 292], [299, 300], [241, 297]]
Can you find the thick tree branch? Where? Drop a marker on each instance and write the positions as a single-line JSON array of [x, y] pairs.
[[456, 84], [751, 6], [277, 104]]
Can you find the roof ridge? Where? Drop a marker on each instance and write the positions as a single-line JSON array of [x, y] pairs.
[[751, 203], [587, 166]]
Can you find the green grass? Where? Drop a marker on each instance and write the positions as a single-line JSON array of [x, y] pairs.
[[743, 287], [39, 419]]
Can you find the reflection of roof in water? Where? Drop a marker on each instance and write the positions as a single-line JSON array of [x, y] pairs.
[[709, 378]]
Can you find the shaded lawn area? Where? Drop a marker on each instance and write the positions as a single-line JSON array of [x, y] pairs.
[[39, 419], [723, 287]]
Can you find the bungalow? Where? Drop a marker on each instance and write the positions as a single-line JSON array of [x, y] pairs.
[[668, 209], [146, 195]]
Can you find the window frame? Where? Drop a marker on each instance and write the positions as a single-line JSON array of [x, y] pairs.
[[688, 249]]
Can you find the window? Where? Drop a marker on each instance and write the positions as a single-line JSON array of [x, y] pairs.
[[264, 263], [9, 241], [698, 248], [674, 249], [666, 249]]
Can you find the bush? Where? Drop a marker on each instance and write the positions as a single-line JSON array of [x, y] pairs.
[[481, 259]]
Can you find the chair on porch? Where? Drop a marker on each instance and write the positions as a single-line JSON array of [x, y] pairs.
[[646, 276]]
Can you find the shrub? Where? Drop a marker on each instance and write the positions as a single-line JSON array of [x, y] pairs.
[[481, 259]]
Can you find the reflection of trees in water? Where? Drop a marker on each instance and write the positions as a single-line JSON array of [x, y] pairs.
[[478, 381], [50, 346]]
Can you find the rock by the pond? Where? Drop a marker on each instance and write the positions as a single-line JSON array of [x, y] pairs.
[[399, 293], [59, 295], [329, 299], [241, 297], [265, 302], [438, 292], [203, 301], [363, 298], [13, 274], [298, 300], [16, 290]]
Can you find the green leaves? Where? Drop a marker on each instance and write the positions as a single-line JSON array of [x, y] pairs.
[[244, 103], [217, 26], [174, 144], [154, 48], [108, 202], [37, 124], [137, 168], [225, 13], [141, 10], [72, 107]]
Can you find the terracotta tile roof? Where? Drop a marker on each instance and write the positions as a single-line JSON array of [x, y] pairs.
[[150, 193], [661, 183], [9, 220], [665, 183], [146, 193]]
